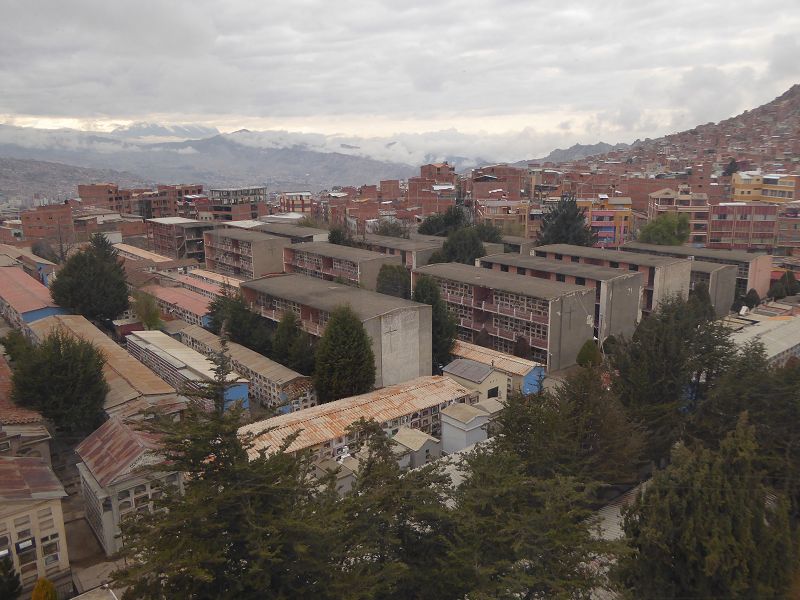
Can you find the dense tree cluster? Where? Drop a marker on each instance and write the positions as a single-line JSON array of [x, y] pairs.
[[669, 229], [442, 224], [392, 228], [461, 246], [443, 324], [62, 377], [565, 223], [394, 280], [92, 282]]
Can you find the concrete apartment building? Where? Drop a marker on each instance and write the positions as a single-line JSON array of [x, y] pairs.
[[553, 319], [271, 384], [322, 429], [177, 237], [742, 226], [24, 299], [244, 254], [753, 270], [32, 531], [297, 234], [617, 293], [295, 202], [400, 330], [522, 375], [330, 262], [132, 386], [233, 204], [663, 276], [413, 253], [720, 281], [180, 303], [181, 366], [112, 485], [136, 253]]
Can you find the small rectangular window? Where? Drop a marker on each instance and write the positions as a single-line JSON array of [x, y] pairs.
[[493, 392]]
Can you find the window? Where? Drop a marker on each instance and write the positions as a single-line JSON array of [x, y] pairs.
[[633, 267], [559, 256], [575, 259], [580, 281], [493, 392], [560, 277], [614, 265]]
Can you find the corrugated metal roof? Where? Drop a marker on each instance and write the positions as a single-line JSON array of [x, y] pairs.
[[326, 422], [25, 478], [778, 334], [115, 449], [140, 253], [191, 301], [356, 255], [215, 277], [499, 360], [252, 360], [468, 369], [636, 258], [22, 292], [127, 378], [731, 255], [558, 266]]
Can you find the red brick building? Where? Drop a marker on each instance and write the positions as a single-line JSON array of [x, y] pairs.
[[52, 222], [742, 226]]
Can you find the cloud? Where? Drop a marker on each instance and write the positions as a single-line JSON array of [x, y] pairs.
[[524, 73]]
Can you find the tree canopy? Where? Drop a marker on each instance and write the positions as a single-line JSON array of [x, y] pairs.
[[92, 282], [229, 311], [442, 224], [62, 377], [10, 585], [669, 229], [392, 229], [394, 280], [462, 245], [345, 363], [339, 235], [147, 311], [443, 324], [565, 223]]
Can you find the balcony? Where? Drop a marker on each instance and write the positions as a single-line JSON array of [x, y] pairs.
[[311, 327], [505, 334]]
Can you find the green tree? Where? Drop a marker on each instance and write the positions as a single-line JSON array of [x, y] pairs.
[[565, 223], [339, 235], [44, 590], [700, 303], [731, 168], [706, 528], [394, 280], [669, 229], [443, 224], [147, 311], [752, 299], [790, 282], [522, 536], [462, 246], [777, 290], [249, 524], [229, 311], [62, 378], [92, 282], [398, 536], [301, 354], [489, 233], [10, 586], [345, 363], [392, 229], [443, 324], [16, 344], [286, 333], [589, 354]]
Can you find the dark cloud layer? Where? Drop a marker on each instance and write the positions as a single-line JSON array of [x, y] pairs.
[[574, 71]]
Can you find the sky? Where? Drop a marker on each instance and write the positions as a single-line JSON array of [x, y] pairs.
[[531, 75]]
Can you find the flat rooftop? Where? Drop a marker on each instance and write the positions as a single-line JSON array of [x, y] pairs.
[[143, 254], [242, 235], [218, 278], [468, 369], [508, 282], [776, 333], [356, 255], [409, 245], [647, 260], [327, 295], [558, 266], [289, 230], [732, 255], [319, 424], [701, 266], [508, 363], [22, 292]]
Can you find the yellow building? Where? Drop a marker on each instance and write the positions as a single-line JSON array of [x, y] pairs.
[[753, 186], [32, 524]]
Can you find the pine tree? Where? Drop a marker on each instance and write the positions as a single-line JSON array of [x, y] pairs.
[[301, 354], [229, 311], [707, 527], [791, 283], [700, 303], [248, 524], [565, 223], [752, 299], [345, 363], [463, 246], [443, 324], [62, 378], [10, 585], [394, 280], [777, 290], [589, 354], [44, 590], [92, 282], [286, 333]]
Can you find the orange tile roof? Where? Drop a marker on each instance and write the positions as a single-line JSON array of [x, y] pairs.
[[22, 292], [191, 301], [326, 422]]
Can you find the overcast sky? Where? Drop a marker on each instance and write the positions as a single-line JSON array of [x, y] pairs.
[[558, 72]]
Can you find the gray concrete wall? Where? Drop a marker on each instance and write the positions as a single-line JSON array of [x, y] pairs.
[[760, 274], [268, 256], [369, 269], [619, 305], [722, 289], [571, 324], [492, 248], [421, 257], [401, 342], [671, 280]]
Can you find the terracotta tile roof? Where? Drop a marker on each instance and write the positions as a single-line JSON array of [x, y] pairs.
[[191, 301], [25, 478], [22, 292], [115, 450], [329, 421], [10, 413]]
